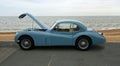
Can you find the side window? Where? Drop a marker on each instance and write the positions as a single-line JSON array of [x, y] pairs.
[[62, 27], [66, 27], [75, 27]]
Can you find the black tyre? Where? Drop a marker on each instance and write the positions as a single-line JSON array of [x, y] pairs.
[[83, 43], [26, 43]]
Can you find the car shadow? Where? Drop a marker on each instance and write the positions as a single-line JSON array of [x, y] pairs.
[[55, 48], [97, 47], [67, 48]]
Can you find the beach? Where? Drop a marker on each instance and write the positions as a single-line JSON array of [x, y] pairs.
[[112, 35], [7, 36]]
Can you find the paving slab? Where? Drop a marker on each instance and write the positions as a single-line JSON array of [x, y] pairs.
[[7, 48]]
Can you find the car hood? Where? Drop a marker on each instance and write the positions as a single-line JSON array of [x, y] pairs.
[[34, 19]]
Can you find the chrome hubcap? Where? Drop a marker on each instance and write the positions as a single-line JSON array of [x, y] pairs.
[[83, 44], [26, 43]]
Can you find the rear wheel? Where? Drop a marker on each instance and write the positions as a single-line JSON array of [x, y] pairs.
[[83, 43], [26, 43]]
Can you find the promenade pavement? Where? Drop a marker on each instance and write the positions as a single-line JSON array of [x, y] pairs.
[[99, 55]]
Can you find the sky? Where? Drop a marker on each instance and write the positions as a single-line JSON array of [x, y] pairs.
[[60, 7]]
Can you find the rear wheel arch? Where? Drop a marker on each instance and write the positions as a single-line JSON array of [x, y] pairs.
[[82, 37]]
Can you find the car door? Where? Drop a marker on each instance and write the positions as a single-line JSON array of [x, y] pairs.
[[61, 35]]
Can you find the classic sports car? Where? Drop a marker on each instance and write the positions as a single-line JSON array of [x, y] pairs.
[[62, 33]]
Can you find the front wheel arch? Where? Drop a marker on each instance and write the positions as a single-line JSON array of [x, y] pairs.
[[26, 36]]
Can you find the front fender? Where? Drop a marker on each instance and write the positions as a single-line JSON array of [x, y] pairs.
[[19, 34], [38, 37]]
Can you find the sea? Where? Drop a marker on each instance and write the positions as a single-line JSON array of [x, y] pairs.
[[14, 24]]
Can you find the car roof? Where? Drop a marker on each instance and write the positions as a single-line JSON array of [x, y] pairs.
[[83, 27], [68, 20]]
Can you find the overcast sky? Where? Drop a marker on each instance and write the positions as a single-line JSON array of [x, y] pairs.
[[60, 7]]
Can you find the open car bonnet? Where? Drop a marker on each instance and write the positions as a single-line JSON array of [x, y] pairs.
[[34, 19]]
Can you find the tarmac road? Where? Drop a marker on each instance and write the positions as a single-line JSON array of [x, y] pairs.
[[107, 55]]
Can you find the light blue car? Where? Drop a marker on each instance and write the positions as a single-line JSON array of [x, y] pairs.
[[62, 33]]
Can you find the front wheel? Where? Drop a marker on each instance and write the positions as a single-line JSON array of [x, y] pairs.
[[83, 43], [26, 43]]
